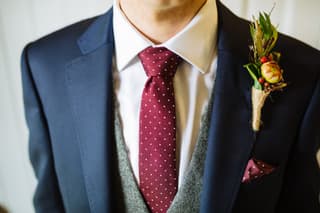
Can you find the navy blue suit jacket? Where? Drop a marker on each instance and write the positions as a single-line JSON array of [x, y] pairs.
[[68, 96]]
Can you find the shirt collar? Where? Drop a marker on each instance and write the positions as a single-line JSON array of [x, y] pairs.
[[195, 43]]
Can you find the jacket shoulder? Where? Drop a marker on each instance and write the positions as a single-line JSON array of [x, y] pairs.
[[297, 51], [62, 40], [63, 45]]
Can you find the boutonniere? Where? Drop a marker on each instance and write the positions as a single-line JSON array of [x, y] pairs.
[[263, 65]]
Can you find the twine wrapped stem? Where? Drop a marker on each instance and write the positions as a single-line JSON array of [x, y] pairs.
[[258, 99]]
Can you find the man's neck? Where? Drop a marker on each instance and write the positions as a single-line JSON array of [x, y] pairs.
[[159, 20]]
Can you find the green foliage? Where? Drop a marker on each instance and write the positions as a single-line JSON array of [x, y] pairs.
[[266, 26], [264, 36], [255, 74]]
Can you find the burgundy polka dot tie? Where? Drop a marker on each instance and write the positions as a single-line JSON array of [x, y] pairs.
[[157, 139]]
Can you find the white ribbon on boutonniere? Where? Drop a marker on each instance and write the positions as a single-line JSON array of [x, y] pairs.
[[264, 65]]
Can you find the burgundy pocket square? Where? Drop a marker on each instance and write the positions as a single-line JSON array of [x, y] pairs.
[[256, 169]]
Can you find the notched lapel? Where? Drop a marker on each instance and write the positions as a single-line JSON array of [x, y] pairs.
[[89, 83], [231, 138]]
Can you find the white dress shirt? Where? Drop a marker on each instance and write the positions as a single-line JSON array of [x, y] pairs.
[[193, 81]]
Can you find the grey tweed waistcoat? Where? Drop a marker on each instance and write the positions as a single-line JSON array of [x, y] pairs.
[[187, 199]]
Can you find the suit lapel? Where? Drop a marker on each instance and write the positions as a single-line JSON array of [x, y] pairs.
[[230, 139], [89, 83]]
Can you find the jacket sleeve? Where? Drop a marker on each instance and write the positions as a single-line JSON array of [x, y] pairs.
[[47, 197], [301, 185]]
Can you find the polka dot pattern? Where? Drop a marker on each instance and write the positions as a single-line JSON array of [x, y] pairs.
[[157, 137], [256, 169]]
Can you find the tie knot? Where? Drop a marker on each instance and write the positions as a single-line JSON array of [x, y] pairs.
[[159, 61]]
